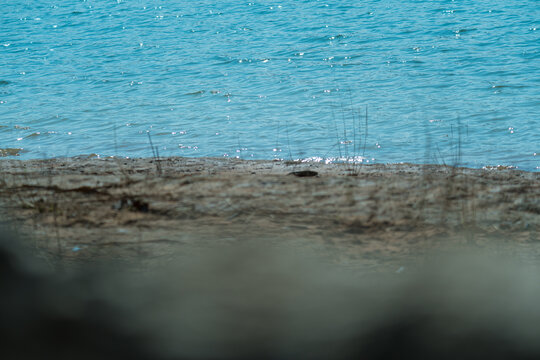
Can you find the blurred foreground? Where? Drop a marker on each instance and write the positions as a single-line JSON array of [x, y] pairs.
[[254, 301]]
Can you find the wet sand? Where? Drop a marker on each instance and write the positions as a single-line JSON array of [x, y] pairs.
[[381, 217]]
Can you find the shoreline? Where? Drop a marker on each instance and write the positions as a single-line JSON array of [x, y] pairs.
[[375, 216]]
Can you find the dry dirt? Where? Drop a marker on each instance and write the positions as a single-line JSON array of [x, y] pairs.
[[382, 217]]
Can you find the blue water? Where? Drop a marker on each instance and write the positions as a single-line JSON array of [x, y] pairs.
[[441, 81]]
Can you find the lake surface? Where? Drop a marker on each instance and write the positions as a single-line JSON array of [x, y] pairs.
[[440, 81]]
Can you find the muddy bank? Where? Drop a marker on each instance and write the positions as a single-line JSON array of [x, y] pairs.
[[371, 215]]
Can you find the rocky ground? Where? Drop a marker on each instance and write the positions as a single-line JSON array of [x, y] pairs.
[[382, 217]]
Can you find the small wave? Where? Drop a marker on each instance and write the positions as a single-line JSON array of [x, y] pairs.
[[495, 86], [199, 92], [464, 31], [337, 37], [36, 134]]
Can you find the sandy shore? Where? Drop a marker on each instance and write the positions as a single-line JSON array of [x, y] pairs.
[[377, 216]]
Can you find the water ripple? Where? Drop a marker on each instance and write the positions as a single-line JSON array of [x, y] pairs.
[[295, 76]]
